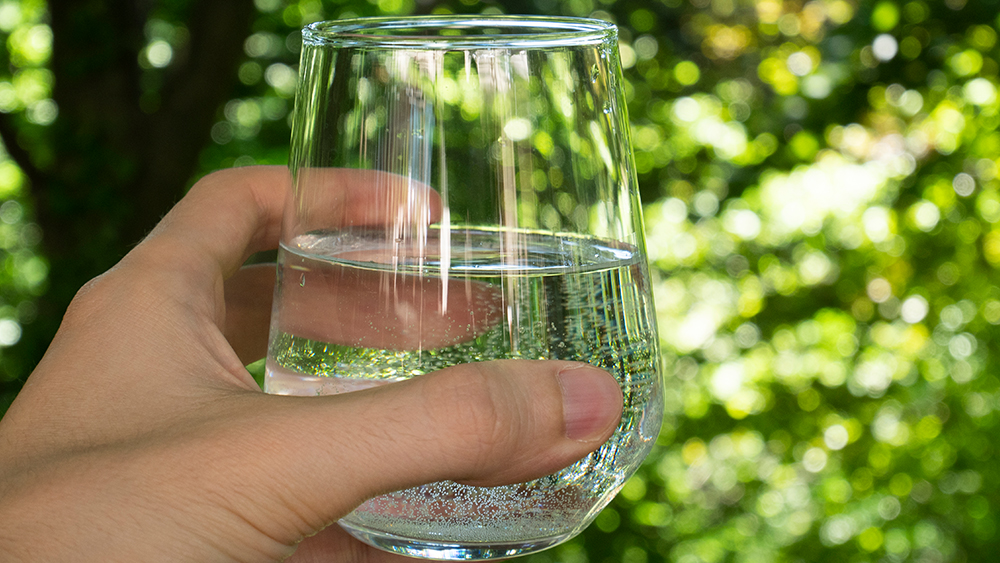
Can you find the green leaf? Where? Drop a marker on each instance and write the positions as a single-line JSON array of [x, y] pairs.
[[256, 370]]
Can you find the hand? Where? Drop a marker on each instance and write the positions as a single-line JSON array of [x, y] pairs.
[[141, 437]]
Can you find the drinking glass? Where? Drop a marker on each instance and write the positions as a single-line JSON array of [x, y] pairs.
[[464, 191]]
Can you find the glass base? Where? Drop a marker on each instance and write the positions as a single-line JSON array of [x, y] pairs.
[[451, 551]]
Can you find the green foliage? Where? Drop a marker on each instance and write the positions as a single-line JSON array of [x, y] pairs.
[[25, 87], [257, 370], [823, 218], [823, 228]]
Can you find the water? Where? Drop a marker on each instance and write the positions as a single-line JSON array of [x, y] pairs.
[[353, 313]]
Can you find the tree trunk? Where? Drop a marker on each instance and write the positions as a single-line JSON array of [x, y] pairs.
[[126, 142]]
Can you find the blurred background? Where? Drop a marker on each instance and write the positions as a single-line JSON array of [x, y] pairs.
[[822, 201]]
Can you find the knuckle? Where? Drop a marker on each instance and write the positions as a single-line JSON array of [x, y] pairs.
[[120, 293], [217, 178], [91, 299]]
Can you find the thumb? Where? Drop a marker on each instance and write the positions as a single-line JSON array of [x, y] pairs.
[[488, 423]]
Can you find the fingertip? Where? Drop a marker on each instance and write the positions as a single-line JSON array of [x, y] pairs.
[[592, 402]]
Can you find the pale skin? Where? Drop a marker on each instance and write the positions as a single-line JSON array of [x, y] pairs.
[[141, 437]]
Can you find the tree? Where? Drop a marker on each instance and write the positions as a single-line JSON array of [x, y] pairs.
[[128, 134], [823, 214]]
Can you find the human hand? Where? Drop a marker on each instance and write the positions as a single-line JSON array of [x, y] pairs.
[[141, 437]]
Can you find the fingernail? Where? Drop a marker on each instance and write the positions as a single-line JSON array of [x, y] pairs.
[[592, 402]]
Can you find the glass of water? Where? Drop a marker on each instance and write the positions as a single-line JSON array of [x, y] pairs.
[[464, 191]]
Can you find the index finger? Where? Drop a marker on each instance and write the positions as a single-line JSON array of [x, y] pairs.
[[229, 215], [226, 217]]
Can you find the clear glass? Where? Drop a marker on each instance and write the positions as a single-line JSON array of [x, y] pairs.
[[464, 191]]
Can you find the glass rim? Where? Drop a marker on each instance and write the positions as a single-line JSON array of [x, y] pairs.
[[518, 32]]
